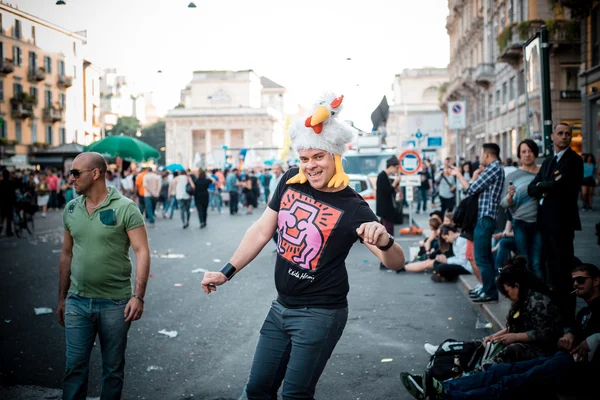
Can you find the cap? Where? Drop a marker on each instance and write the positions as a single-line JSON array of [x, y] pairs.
[[393, 160]]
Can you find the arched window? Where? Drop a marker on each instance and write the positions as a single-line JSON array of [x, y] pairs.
[[431, 93]]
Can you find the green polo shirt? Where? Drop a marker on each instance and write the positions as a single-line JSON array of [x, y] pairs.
[[101, 267]]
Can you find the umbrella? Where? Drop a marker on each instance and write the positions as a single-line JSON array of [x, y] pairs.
[[175, 167], [126, 147]]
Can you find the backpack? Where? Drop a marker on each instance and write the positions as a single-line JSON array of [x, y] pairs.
[[465, 215], [453, 358], [189, 189]]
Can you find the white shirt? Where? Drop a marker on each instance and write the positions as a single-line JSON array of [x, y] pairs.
[[128, 182], [459, 248], [180, 193], [559, 155], [116, 183]]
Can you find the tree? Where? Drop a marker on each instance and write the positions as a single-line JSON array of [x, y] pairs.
[[154, 135], [128, 126]]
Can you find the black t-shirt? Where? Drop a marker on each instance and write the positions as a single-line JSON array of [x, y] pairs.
[[316, 230], [425, 177]]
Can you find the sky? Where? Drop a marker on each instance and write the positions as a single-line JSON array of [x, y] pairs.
[[302, 45]]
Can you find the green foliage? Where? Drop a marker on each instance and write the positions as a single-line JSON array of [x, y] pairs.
[[504, 38], [41, 144], [442, 90], [128, 126], [8, 142], [572, 29], [155, 135]]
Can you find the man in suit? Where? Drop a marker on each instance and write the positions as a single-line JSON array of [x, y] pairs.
[[557, 186], [386, 192]]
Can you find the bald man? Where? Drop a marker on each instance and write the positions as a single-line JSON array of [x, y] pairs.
[[94, 296]]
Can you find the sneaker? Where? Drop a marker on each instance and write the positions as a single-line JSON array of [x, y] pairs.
[[433, 388], [476, 289], [485, 299], [413, 385], [430, 349]]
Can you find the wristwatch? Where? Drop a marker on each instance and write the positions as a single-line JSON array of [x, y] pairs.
[[387, 246]]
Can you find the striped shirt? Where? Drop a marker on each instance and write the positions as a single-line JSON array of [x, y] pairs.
[[489, 184]]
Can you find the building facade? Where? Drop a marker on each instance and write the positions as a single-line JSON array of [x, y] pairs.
[[415, 118], [589, 79], [120, 98], [487, 71], [224, 114], [44, 85]]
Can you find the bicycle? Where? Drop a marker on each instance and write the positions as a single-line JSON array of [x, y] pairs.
[[23, 216]]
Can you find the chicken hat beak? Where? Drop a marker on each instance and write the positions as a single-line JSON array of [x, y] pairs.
[[321, 114]]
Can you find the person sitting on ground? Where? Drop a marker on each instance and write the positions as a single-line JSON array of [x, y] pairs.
[[533, 322], [572, 370], [431, 244], [449, 265], [437, 214], [449, 218]]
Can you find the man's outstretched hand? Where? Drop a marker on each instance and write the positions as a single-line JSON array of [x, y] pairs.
[[212, 280], [373, 233]]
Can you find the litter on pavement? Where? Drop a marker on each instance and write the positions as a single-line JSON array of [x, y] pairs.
[[154, 368], [387, 360], [178, 284], [7, 321], [216, 260], [483, 325], [170, 334], [42, 310], [195, 271], [170, 256]]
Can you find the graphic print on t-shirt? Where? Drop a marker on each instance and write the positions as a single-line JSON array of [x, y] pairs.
[[304, 226]]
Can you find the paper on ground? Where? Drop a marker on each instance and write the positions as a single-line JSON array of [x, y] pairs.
[[42, 310], [170, 334], [195, 271]]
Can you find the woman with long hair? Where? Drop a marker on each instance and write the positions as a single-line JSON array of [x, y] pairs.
[[533, 324], [590, 173], [523, 208]]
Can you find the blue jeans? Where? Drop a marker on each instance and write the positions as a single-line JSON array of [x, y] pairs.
[[184, 208], [505, 246], [484, 229], [233, 202], [293, 348], [150, 202], [422, 195], [172, 206], [531, 379], [84, 319], [529, 244], [215, 200]]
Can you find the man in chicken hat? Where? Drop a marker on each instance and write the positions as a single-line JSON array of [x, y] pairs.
[[318, 218]]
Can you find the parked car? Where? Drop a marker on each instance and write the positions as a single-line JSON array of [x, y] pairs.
[[363, 186]]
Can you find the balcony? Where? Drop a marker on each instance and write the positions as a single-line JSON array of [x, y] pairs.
[[65, 82], [7, 67], [21, 107], [37, 75], [52, 115], [484, 75], [510, 45]]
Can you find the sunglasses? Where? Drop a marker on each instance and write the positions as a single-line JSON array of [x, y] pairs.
[[77, 172], [580, 280]]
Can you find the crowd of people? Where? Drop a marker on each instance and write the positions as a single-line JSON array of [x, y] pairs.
[[514, 229]]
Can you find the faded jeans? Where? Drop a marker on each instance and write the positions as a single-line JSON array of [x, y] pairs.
[[150, 202], [529, 244], [293, 348], [184, 208], [215, 200], [484, 229], [84, 319]]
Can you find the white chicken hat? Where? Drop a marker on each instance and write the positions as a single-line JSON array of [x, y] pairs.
[[323, 130]]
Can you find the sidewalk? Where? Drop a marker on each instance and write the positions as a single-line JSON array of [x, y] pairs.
[[586, 248]]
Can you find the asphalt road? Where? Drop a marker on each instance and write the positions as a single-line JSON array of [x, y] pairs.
[[391, 317]]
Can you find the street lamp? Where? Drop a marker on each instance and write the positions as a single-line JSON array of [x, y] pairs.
[[61, 3]]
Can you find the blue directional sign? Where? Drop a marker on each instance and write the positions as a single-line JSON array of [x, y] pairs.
[[419, 134], [434, 141]]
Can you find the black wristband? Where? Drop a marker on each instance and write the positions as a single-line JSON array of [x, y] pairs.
[[229, 271], [388, 245], [139, 298]]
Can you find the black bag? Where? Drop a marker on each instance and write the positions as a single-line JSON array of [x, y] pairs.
[[453, 358], [189, 189], [465, 215]]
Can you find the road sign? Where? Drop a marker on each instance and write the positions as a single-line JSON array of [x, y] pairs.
[[419, 134], [410, 180], [435, 141], [409, 194], [457, 117], [410, 162]]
